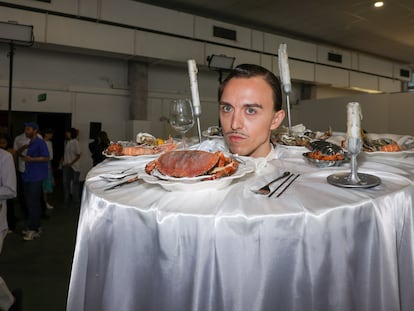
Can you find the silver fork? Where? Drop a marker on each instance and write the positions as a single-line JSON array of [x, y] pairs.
[[266, 189]]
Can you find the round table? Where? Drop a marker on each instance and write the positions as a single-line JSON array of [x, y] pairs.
[[315, 247]]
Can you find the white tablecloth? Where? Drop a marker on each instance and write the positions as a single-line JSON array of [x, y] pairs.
[[316, 247]]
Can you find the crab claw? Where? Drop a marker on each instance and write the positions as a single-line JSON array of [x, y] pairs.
[[151, 166]]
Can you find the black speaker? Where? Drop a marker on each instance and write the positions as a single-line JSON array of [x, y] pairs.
[[94, 129], [224, 33], [333, 57]]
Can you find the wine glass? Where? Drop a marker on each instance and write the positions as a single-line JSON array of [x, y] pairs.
[[181, 117]]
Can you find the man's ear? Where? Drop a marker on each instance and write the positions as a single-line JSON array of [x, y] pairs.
[[278, 118]]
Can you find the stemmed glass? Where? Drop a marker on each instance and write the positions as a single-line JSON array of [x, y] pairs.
[[181, 117], [354, 179]]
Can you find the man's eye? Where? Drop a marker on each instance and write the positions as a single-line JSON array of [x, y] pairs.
[[250, 110], [226, 108]]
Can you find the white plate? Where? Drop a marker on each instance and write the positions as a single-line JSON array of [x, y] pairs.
[[130, 157], [395, 154], [399, 139], [196, 183]]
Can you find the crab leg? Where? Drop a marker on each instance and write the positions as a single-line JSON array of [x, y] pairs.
[[223, 171]]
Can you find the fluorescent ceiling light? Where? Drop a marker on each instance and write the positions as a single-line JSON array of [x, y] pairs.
[[378, 4], [365, 90]]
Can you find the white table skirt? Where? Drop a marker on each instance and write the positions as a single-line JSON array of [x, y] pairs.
[[317, 247]]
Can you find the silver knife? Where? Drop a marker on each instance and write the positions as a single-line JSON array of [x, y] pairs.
[[278, 187]]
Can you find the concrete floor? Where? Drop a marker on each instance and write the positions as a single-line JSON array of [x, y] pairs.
[[42, 267]]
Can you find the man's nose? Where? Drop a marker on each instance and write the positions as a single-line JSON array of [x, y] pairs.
[[236, 121]]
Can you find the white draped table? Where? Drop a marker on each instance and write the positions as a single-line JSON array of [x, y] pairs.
[[316, 247]]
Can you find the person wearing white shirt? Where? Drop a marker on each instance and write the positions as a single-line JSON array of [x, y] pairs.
[[49, 181], [71, 168], [7, 191], [19, 143]]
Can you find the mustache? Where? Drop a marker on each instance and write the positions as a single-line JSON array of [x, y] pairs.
[[236, 133]]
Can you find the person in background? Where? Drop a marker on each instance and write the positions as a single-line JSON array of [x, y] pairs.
[[11, 216], [71, 168], [98, 146], [3, 142], [250, 100], [4, 132], [49, 181], [20, 141], [8, 300], [36, 170]]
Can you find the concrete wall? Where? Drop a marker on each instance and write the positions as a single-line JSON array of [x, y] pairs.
[[382, 113], [95, 89], [77, 84]]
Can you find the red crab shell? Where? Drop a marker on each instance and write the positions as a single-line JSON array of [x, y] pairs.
[[192, 163]]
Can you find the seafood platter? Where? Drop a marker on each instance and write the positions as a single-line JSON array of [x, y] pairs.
[[390, 145], [145, 145], [299, 137], [321, 153], [329, 148], [194, 170], [387, 144], [325, 154]]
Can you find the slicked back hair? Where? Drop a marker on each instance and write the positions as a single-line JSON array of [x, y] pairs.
[[250, 71]]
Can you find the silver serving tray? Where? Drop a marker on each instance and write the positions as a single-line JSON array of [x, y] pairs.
[[324, 163]]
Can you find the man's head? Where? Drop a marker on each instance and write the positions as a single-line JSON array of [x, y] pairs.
[[48, 134], [4, 129], [71, 133], [250, 101], [3, 141], [31, 129]]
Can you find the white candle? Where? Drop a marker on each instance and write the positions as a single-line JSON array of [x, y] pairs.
[[192, 72], [284, 69], [354, 120]]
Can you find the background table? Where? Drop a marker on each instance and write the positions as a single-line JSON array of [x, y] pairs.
[[317, 247]]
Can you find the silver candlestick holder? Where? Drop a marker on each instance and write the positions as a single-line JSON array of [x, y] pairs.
[[354, 179]]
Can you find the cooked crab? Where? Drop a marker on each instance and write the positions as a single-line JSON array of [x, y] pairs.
[[192, 163]]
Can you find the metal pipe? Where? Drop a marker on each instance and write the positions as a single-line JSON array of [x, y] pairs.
[[9, 114]]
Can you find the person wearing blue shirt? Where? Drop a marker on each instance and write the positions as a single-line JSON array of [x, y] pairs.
[[36, 170]]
